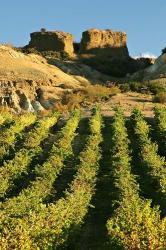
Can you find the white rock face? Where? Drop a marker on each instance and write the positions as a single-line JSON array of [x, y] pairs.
[[37, 106], [28, 106]]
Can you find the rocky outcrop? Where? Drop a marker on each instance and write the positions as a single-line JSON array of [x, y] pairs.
[[158, 68], [24, 101], [52, 41], [22, 75], [104, 42], [30, 83], [155, 71], [106, 51], [78, 69], [9, 98], [37, 106]]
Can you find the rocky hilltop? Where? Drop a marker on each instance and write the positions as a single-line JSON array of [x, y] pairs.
[[108, 42], [36, 81], [107, 51], [104, 50], [93, 41], [52, 41]]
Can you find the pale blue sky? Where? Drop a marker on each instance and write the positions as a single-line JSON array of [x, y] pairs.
[[143, 20]]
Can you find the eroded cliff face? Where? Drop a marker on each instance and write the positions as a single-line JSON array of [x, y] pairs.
[[23, 77], [106, 51], [104, 42], [52, 41], [157, 71], [31, 83]]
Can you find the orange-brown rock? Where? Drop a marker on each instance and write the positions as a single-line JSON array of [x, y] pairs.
[[52, 41], [104, 42]]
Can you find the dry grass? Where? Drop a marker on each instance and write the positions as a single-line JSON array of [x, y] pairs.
[[98, 92], [86, 96]]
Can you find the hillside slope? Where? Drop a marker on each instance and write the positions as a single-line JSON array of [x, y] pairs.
[[156, 71], [24, 79]]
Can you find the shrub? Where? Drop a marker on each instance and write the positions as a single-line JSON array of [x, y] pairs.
[[115, 90], [47, 54], [160, 97], [85, 96], [125, 87], [56, 55], [73, 100], [27, 50], [99, 92], [143, 87], [52, 54], [136, 86], [64, 55], [156, 88]]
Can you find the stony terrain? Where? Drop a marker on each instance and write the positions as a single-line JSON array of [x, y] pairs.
[[33, 82], [24, 77]]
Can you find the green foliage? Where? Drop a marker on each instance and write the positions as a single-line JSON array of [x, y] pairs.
[[143, 87], [8, 136], [46, 173], [27, 50], [151, 160], [160, 97], [156, 88], [13, 169], [48, 227], [47, 54], [2, 119], [5, 117], [124, 87], [28, 222], [40, 131], [91, 94], [134, 224], [160, 127], [55, 55], [160, 119]]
